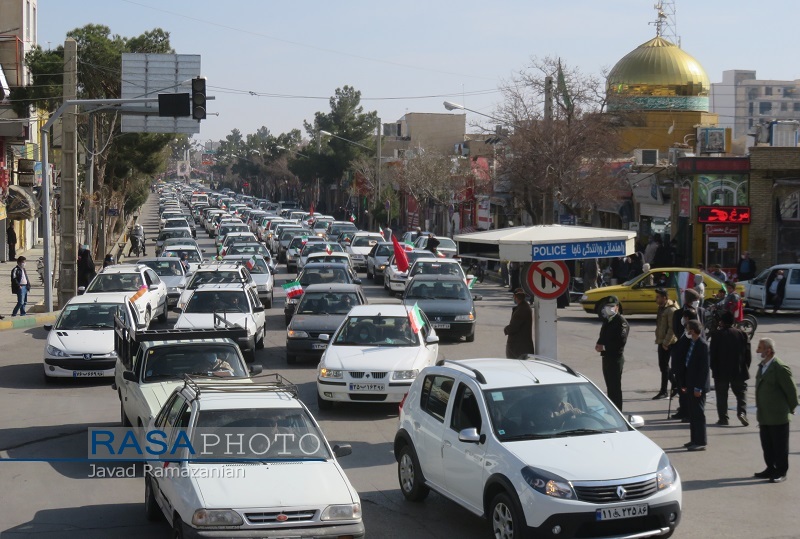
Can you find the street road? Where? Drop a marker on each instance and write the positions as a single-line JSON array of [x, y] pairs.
[[57, 499]]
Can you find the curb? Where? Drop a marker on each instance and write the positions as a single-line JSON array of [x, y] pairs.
[[27, 321]]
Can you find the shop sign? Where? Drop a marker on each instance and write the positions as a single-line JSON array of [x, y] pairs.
[[722, 230], [723, 214]]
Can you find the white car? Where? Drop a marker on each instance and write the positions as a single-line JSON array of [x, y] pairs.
[[360, 246], [536, 449], [226, 228], [312, 247], [194, 255], [169, 270], [437, 266], [334, 257], [285, 480], [135, 279], [216, 272], [233, 237], [261, 274], [756, 291], [395, 280], [237, 304], [446, 246], [295, 248], [81, 342], [378, 259], [374, 356]]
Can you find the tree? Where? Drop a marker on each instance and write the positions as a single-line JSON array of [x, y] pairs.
[[564, 159]]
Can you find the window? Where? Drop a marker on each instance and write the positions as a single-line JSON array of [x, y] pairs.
[[796, 107], [765, 107], [794, 277], [466, 413], [750, 108], [784, 107], [768, 90], [435, 395], [790, 207]]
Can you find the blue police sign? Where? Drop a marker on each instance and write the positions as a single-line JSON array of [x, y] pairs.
[[578, 250]]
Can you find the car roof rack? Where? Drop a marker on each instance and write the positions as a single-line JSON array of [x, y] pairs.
[[271, 382], [478, 374], [551, 362]]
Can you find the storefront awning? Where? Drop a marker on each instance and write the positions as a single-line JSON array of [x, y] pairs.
[[20, 204], [662, 211]]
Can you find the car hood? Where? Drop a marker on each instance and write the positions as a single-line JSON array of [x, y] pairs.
[[446, 307], [172, 281], [322, 323], [156, 394], [206, 320], [364, 251], [82, 341], [613, 455], [385, 358], [381, 259], [260, 278], [313, 483]]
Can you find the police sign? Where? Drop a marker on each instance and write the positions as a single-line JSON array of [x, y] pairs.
[[578, 250]]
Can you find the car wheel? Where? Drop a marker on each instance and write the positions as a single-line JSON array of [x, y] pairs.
[[322, 404], [147, 317], [163, 316], [151, 508], [286, 319], [291, 359], [177, 528], [123, 417], [471, 337], [409, 474], [506, 517], [268, 302], [370, 275], [260, 342]]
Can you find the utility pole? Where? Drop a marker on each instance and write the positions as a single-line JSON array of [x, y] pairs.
[[89, 215], [378, 174], [547, 195], [68, 238]]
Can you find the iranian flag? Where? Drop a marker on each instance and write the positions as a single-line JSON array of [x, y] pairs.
[[293, 289], [251, 263], [328, 249], [472, 282], [415, 317]]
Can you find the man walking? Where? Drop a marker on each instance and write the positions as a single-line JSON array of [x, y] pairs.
[[611, 346], [696, 384], [665, 337], [520, 328], [776, 399], [20, 284], [746, 269], [730, 366]]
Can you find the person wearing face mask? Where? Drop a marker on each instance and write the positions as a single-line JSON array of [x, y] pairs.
[[611, 346], [776, 288], [520, 329], [678, 357], [20, 284], [665, 337], [776, 400], [690, 299], [696, 385]]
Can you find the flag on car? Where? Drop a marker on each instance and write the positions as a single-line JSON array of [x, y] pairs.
[[415, 317], [381, 233], [293, 289], [251, 263], [472, 282], [352, 217], [139, 293], [304, 239], [328, 249], [400, 258]]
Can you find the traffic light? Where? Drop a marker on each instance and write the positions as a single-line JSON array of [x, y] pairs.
[[199, 98]]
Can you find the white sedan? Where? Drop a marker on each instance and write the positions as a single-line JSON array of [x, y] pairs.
[[374, 356]]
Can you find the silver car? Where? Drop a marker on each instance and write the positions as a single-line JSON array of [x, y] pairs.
[[260, 271]]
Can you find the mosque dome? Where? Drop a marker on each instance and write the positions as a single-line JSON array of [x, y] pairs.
[[657, 75]]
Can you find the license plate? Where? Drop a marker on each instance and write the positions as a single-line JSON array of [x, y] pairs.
[[367, 387], [441, 326], [319, 346], [87, 374], [625, 511]]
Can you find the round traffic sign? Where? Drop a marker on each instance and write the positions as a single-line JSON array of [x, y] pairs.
[[547, 280]]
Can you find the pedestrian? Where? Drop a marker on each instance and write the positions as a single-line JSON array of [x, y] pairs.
[[662, 257], [673, 253], [520, 329], [591, 271], [746, 269], [717, 273], [650, 250], [776, 288], [20, 285], [699, 285], [637, 265], [730, 368], [513, 275], [732, 302], [681, 319], [387, 233], [611, 346], [696, 385], [85, 266], [665, 337], [11, 240], [776, 399]]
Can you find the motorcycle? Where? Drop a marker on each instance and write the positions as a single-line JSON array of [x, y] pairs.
[[748, 323]]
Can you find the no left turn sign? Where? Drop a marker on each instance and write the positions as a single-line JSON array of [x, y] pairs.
[[547, 280]]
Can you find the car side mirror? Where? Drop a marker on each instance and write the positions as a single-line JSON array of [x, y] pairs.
[[469, 436], [255, 369], [152, 287], [342, 450], [324, 337], [258, 309], [48, 327], [177, 310], [431, 339], [129, 376], [356, 281], [81, 290], [636, 421]]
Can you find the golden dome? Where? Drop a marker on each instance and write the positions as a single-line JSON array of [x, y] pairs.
[[658, 75]]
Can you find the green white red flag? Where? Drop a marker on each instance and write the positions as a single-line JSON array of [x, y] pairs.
[[415, 317], [293, 289], [472, 282], [251, 263]]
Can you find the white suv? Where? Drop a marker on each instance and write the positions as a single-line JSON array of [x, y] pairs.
[[535, 448]]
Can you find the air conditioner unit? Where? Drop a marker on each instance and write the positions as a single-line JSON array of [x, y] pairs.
[[677, 153], [646, 157]]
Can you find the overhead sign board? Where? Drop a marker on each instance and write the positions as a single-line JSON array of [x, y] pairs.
[[723, 214], [578, 250], [547, 280]]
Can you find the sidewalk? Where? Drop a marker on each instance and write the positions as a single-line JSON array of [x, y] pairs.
[[35, 307]]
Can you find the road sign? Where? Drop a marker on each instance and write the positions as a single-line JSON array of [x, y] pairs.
[[547, 280]]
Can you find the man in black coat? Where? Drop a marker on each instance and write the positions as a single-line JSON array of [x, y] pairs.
[[730, 367], [11, 241], [696, 385], [520, 328], [746, 268], [678, 359], [611, 346]]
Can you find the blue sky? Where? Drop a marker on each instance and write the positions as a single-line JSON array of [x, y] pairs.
[[397, 53]]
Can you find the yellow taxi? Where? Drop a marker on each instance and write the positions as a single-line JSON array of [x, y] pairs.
[[638, 296]]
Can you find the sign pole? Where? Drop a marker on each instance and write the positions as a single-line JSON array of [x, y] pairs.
[[545, 327], [546, 281]]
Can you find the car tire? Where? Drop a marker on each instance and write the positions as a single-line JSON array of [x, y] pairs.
[[370, 275], [291, 359], [506, 517], [322, 404], [269, 300], [162, 318], [151, 509], [409, 475], [260, 342], [471, 337], [147, 317]]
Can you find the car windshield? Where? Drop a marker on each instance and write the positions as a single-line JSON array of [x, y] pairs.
[[438, 290], [327, 302], [177, 233], [210, 301], [324, 276], [165, 268], [298, 242], [191, 254], [365, 241], [384, 250], [446, 243], [116, 282], [437, 268], [376, 331], [549, 411], [224, 230], [247, 249], [259, 267], [177, 223], [287, 235], [338, 229], [320, 247], [213, 277], [321, 225], [328, 258], [89, 316], [269, 434], [172, 362], [238, 237]]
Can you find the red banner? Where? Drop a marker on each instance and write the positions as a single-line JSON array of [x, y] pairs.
[[685, 208]]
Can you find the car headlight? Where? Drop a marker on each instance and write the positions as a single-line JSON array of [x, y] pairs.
[[216, 517], [292, 334], [405, 375], [547, 483], [584, 298], [112, 353], [172, 290], [328, 373], [382, 267], [666, 474], [291, 301], [262, 288], [53, 351], [348, 511], [465, 317]]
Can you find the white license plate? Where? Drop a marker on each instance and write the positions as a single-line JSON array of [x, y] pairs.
[[319, 346], [87, 374], [441, 326], [625, 511], [367, 387]]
